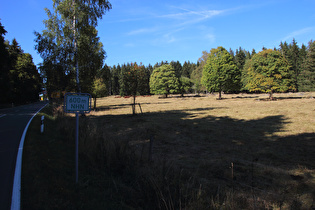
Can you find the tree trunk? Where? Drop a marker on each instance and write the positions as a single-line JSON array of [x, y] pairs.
[[94, 103], [220, 95], [134, 105], [220, 90], [270, 96]]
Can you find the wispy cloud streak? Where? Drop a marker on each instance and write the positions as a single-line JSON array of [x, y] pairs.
[[182, 19], [178, 25], [142, 31], [294, 34], [183, 15]]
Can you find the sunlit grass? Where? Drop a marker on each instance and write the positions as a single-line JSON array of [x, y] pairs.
[[297, 108]]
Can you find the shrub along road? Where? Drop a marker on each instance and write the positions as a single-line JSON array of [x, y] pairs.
[[12, 124]]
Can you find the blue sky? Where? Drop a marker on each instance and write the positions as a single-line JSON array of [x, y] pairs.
[[150, 31]]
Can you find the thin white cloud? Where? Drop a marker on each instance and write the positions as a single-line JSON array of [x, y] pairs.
[[142, 31], [189, 13], [168, 38], [297, 33], [192, 17], [168, 25], [186, 18], [210, 37], [129, 45], [129, 20]]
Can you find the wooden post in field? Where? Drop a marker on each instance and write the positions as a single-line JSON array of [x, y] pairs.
[[151, 147], [232, 170]]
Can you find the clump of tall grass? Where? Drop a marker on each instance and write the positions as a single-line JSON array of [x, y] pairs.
[[156, 184]]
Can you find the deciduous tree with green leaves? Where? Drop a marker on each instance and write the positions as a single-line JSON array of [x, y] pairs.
[[70, 42], [99, 89], [163, 80], [137, 82], [268, 71], [220, 72]]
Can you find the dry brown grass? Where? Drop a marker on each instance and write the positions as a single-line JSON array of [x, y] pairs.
[[270, 143], [242, 152], [296, 108]]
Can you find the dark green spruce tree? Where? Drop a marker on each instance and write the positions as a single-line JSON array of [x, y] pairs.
[[4, 68], [20, 81], [295, 61], [115, 72], [240, 58], [307, 76]]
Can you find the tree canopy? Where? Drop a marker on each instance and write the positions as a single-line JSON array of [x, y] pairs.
[[268, 71], [20, 81], [220, 73], [70, 42], [163, 80]]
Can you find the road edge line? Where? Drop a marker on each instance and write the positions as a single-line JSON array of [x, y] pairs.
[[16, 192]]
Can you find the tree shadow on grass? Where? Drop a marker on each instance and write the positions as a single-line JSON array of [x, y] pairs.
[[286, 98], [121, 106], [246, 96], [224, 137], [263, 161]]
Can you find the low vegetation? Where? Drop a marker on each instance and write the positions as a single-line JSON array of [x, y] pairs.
[[242, 152]]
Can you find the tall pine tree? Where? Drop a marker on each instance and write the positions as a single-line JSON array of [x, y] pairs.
[[4, 68], [307, 77], [240, 58], [295, 61]]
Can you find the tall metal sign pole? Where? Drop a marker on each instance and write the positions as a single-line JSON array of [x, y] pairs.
[[77, 103], [76, 147], [78, 87]]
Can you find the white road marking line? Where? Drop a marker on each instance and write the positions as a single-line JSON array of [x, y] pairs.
[[3, 115], [16, 192]]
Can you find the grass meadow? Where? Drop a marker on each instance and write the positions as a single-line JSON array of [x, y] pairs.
[[242, 152]]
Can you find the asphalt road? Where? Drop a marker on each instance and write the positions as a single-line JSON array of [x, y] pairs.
[[12, 124]]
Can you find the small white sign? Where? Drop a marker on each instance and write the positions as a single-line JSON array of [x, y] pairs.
[[77, 102]]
